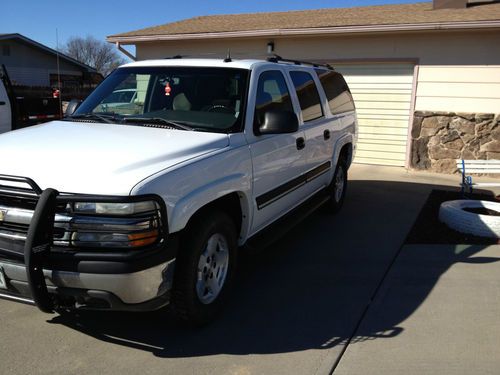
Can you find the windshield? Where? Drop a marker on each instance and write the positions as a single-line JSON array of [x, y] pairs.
[[209, 99]]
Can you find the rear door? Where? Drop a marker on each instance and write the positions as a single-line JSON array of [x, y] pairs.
[[318, 127], [279, 160], [5, 112]]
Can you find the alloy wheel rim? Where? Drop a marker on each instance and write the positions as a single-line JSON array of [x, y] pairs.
[[339, 184], [212, 268]]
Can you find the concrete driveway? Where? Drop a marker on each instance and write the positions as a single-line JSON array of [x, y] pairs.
[[295, 308], [443, 303]]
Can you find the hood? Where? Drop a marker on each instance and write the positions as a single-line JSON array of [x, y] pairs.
[[90, 158]]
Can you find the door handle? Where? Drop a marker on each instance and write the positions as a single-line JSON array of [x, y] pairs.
[[326, 134], [301, 143], [2, 103]]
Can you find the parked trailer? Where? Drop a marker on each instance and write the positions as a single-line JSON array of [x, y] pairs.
[[21, 111]]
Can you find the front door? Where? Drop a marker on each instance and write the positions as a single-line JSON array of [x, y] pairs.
[[279, 160]]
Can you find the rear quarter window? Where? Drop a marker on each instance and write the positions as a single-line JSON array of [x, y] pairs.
[[336, 90]]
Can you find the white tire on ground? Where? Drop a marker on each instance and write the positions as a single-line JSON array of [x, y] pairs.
[[452, 213]]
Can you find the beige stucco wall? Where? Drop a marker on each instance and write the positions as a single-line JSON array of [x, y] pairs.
[[459, 88], [458, 71], [437, 48]]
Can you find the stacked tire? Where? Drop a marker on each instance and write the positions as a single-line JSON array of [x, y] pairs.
[[454, 215]]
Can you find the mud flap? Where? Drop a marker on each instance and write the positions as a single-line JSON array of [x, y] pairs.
[[38, 243]]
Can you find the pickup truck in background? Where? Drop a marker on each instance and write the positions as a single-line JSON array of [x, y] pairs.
[[21, 111]]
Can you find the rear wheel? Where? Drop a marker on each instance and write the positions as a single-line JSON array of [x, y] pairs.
[[205, 268], [338, 187]]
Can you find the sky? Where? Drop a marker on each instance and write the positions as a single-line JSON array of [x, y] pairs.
[[39, 19]]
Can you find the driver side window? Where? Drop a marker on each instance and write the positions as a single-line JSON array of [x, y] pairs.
[[272, 94]]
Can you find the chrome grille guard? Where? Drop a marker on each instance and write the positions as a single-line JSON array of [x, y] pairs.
[[40, 218]]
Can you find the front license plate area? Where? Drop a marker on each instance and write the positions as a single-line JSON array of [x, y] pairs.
[[3, 283]]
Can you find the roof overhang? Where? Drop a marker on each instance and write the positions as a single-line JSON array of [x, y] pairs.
[[465, 25]]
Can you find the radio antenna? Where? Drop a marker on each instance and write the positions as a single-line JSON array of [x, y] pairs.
[[228, 56], [58, 74]]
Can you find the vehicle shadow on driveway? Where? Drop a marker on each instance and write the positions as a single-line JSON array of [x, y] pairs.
[[309, 290]]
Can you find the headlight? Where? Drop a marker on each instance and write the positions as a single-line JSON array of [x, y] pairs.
[[114, 208], [109, 225]]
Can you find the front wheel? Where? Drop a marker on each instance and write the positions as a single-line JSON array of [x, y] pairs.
[[205, 268], [337, 188]]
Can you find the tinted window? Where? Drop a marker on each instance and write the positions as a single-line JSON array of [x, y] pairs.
[[310, 104], [122, 96], [272, 94], [336, 90], [209, 99]]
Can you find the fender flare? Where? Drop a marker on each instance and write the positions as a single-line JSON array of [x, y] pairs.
[[191, 203], [341, 142]]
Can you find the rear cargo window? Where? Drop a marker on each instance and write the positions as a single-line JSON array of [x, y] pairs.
[[307, 92], [336, 90]]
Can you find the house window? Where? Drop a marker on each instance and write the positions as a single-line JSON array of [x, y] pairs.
[[6, 50]]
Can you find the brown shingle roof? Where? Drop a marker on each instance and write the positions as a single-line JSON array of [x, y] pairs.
[[418, 13]]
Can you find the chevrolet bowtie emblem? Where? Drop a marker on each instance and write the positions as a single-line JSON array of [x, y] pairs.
[[3, 213]]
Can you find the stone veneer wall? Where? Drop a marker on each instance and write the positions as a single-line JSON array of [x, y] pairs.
[[439, 138]]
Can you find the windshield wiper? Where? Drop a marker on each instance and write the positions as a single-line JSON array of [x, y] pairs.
[[158, 120], [109, 119]]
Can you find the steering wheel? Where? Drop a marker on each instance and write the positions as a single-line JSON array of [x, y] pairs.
[[220, 108]]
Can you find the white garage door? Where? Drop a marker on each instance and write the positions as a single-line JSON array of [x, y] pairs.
[[382, 93]]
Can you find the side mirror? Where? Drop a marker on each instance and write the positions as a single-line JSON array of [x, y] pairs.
[[279, 122], [72, 107]]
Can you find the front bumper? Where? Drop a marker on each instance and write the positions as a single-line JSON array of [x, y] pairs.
[[34, 270], [144, 290]]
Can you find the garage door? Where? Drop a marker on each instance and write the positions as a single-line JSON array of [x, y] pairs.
[[382, 93]]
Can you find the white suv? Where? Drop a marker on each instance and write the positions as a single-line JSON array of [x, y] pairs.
[[150, 206]]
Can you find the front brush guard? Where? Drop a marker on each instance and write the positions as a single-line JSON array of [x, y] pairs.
[[37, 245]]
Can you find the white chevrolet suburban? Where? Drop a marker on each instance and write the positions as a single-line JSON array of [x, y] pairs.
[[134, 209]]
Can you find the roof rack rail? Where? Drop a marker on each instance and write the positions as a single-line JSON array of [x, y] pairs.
[[277, 59], [174, 57]]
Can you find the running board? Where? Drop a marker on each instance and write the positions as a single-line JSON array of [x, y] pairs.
[[282, 226], [17, 299]]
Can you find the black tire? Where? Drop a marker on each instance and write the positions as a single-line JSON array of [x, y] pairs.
[[337, 188], [186, 302]]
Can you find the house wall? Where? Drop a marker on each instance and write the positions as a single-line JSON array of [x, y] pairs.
[[459, 88], [31, 66], [432, 48], [457, 72]]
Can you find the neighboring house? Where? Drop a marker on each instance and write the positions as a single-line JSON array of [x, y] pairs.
[[30, 63], [426, 81]]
